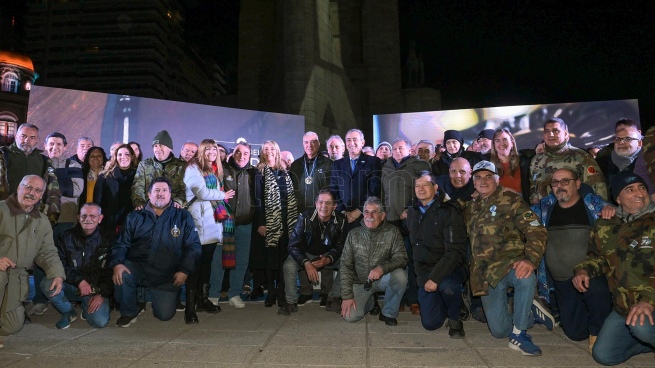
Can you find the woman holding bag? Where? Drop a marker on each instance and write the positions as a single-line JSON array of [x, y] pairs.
[[205, 201]]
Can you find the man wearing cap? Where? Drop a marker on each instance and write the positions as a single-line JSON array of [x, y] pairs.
[[507, 243], [621, 248], [164, 164], [485, 139], [568, 213], [454, 142], [559, 153]]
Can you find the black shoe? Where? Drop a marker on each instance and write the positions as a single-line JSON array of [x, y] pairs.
[[305, 299], [270, 301], [376, 309], [179, 306], [125, 321], [324, 299], [256, 293], [287, 309], [388, 320], [204, 304], [456, 329], [334, 305], [190, 316]]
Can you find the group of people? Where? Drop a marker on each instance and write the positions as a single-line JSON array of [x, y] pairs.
[[512, 237]]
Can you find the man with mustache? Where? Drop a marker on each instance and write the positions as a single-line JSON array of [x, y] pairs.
[[568, 213], [159, 247], [27, 239], [621, 248]]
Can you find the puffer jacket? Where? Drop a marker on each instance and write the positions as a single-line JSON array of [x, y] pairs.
[[308, 226], [366, 249], [209, 231]]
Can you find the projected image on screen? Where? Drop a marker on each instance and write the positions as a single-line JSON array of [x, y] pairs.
[[107, 118], [590, 123]]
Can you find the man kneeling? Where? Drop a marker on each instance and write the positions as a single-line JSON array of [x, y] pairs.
[[373, 260]]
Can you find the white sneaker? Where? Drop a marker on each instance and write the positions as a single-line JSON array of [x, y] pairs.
[[236, 302], [38, 309]]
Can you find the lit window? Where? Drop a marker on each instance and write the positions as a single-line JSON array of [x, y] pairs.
[[10, 82]]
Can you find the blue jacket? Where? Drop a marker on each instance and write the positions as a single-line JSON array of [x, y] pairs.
[[351, 188], [593, 203], [161, 245]]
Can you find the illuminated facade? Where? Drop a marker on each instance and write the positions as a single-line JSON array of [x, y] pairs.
[[16, 79]]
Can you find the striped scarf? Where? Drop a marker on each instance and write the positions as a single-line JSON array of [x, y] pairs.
[[273, 205]]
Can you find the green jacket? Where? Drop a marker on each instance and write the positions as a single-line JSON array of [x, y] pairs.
[[398, 184], [25, 238], [502, 230], [649, 151], [624, 252], [150, 169], [366, 249]]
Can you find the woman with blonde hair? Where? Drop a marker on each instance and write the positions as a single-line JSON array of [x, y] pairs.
[[276, 213], [513, 166], [205, 198], [113, 189]]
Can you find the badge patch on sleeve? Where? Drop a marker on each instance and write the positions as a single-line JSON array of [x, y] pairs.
[[528, 215], [591, 170]]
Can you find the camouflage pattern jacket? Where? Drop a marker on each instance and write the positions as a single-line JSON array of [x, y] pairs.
[[502, 230], [649, 151], [623, 251], [544, 165], [366, 249], [150, 169]]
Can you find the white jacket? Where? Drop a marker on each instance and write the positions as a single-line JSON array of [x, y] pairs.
[[201, 210]]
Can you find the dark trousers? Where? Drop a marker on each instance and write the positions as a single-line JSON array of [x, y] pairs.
[[443, 303], [203, 271], [583, 314]]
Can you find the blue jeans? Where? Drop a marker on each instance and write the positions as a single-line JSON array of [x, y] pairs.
[[163, 302], [290, 272], [242, 235], [393, 284], [618, 342], [499, 320], [61, 302], [38, 273], [443, 303]]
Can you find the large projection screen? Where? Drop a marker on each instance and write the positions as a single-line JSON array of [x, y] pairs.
[[590, 123], [107, 118]]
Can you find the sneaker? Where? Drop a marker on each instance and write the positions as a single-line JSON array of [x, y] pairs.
[[542, 315], [66, 319], [456, 329], [305, 299], [125, 321], [324, 299], [287, 309], [247, 289], [333, 305], [523, 343], [179, 306], [388, 320], [38, 309], [236, 302]]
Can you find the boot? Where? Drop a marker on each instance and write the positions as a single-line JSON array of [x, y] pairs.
[[190, 315], [204, 302]]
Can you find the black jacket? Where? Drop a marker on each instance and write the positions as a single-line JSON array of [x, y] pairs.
[[114, 195], [308, 227], [162, 245], [352, 188], [85, 257], [306, 193], [438, 240]]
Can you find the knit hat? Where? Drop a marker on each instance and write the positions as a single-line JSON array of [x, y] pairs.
[[453, 134], [622, 180], [487, 133], [485, 166], [164, 139], [384, 144]]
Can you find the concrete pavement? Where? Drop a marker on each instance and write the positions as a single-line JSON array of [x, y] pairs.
[[256, 336]]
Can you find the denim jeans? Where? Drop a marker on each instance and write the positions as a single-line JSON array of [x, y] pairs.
[[38, 273], [443, 303], [290, 272], [499, 320], [61, 302], [393, 284], [163, 302], [242, 235], [618, 342]]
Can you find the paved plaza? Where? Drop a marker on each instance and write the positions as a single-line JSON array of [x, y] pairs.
[[256, 336]]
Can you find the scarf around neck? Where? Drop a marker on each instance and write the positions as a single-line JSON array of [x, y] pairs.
[[273, 205], [621, 161]]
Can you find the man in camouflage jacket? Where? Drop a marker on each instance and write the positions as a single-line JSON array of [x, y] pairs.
[[621, 248], [507, 243], [559, 154]]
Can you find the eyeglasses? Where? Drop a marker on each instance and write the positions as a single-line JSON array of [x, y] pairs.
[[372, 213], [91, 217], [30, 188], [625, 139], [564, 182]]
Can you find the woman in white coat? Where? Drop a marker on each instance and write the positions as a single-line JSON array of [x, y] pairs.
[[203, 179]]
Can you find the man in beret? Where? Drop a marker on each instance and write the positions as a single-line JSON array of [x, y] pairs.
[[164, 164], [621, 249]]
